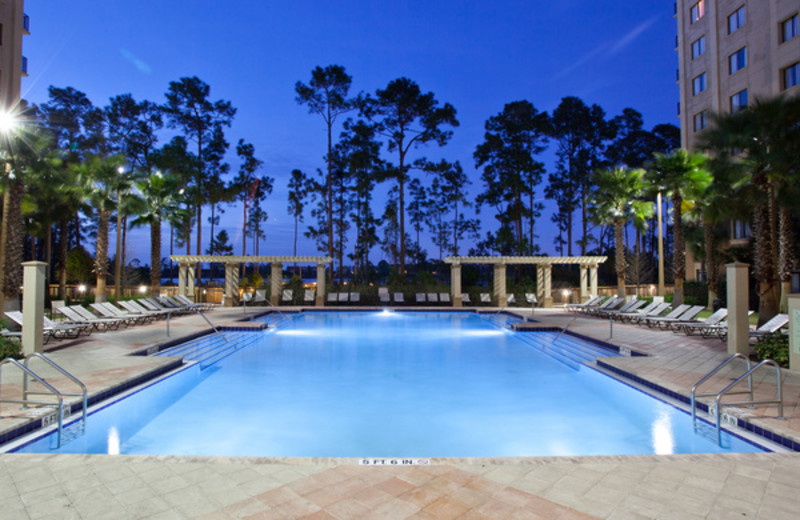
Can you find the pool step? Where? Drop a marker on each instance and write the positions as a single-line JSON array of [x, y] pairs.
[[564, 348], [211, 348]]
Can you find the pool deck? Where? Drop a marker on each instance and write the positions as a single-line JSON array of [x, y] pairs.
[[615, 487]]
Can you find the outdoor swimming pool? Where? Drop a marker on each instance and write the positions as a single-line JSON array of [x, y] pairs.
[[390, 384]]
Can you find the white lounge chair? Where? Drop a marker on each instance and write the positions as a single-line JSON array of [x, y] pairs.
[[510, 298], [333, 297], [433, 297], [399, 298], [287, 295], [344, 297], [444, 297], [261, 296], [308, 296], [465, 298], [52, 329], [485, 298], [701, 327], [420, 297], [355, 297]]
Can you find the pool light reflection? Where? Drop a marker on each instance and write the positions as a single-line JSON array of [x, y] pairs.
[[663, 440]]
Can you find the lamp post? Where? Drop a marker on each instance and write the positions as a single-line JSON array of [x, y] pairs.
[[660, 248]]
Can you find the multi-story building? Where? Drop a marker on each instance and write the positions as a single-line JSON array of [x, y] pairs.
[[731, 52], [14, 23]]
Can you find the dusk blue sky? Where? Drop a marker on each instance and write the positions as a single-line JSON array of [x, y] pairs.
[[477, 56]]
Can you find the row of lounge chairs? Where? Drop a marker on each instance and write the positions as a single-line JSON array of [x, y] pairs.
[[78, 320], [287, 297], [680, 319]]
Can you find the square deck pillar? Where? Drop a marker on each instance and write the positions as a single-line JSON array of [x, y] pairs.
[[548, 286], [276, 284], [231, 285], [593, 281], [190, 281], [794, 332], [320, 298], [584, 295], [500, 285], [737, 277], [455, 284], [182, 279], [34, 274]]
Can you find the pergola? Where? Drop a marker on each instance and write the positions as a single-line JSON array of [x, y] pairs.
[[186, 273], [544, 269]]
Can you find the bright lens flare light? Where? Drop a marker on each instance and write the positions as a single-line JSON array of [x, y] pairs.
[[7, 122]]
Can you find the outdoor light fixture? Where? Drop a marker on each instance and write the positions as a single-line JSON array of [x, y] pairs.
[[82, 288], [142, 289]]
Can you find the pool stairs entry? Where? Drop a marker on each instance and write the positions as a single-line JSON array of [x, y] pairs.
[[212, 348], [564, 348]]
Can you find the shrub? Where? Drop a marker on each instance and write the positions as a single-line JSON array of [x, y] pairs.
[[774, 346], [10, 348]]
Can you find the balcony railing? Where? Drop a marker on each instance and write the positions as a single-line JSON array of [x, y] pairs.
[[26, 23]]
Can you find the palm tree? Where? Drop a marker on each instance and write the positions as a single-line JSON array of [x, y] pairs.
[[161, 196], [682, 176], [615, 200], [100, 177]]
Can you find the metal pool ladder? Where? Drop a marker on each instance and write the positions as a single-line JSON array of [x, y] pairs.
[[728, 391], [63, 435]]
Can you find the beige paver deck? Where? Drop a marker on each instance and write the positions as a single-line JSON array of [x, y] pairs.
[[618, 487]]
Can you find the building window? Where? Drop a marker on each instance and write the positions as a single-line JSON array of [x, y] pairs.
[[699, 121], [697, 11], [699, 84], [789, 28], [740, 230], [698, 47], [738, 60], [739, 101], [736, 20], [791, 75]]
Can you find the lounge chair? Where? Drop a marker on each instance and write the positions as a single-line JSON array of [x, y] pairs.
[[77, 319], [109, 310], [384, 297], [399, 298], [612, 303], [308, 296], [654, 308], [465, 298], [420, 297], [54, 306], [152, 304], [184, 300], [433, 297], [652, 321], [53, 329], [111, 323], [261, 296], [531, 298], [344, 297], [135, 306], [602, 303], [444, 297], [594, 300], [702, 327], [772, 326], [631, 306], [510, 299], [287, 295], [169, 301], [485, 298], [355, 297]]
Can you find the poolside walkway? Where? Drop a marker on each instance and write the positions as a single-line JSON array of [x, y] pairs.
[[616, 487]]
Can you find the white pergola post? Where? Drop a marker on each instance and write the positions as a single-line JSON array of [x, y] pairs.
[[276, 276], [540, 284], [455, 284], [584, 283], [33, 307], [320, 298], [182, 279], [500, 285], [737, 277], [794, 332], [593, 280], [190, 281], [231, 285], [548, 286]]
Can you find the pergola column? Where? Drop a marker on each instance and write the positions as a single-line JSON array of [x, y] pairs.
[[584, 284], [455, 284], [231, 285], [500, 285], [276, 275], [736, 275], [540, 284], [320, 298], [548, 286], [182, 279], [190, 281], [33, 307], [593, 280], [794, 332]]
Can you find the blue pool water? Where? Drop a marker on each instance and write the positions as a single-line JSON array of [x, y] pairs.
[[402, 384]]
